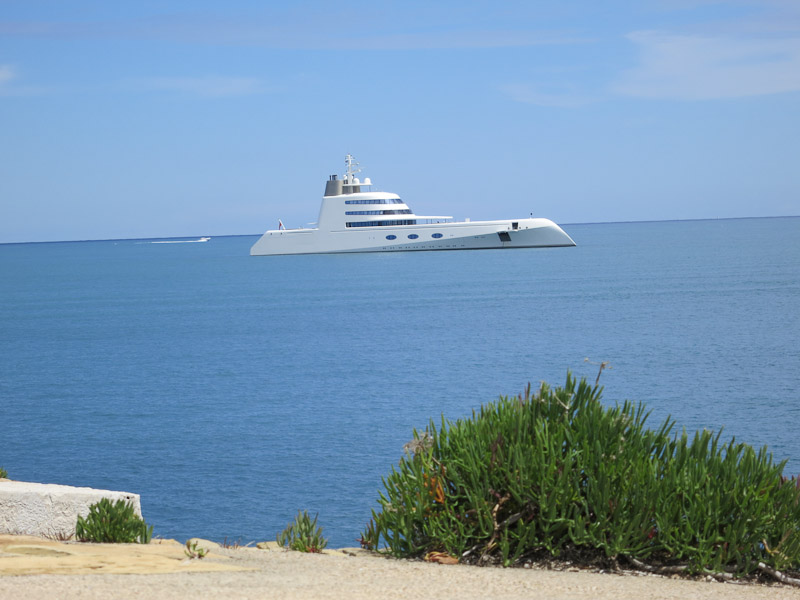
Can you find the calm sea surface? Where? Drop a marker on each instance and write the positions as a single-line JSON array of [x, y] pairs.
[[231, 391]]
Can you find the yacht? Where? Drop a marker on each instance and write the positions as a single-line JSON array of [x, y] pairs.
[[353, 218]]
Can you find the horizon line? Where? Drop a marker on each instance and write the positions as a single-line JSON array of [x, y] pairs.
[[176, 237]]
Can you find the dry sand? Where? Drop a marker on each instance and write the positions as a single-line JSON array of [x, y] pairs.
[[35, 568]]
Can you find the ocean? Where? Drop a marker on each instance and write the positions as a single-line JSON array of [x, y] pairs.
[[231, 391]]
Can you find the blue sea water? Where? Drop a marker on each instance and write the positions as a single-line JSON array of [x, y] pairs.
[[231, 391]]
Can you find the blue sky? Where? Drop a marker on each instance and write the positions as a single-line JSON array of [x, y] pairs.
[[148, 119]]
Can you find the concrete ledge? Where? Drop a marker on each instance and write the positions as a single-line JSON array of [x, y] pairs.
[[48, 510]]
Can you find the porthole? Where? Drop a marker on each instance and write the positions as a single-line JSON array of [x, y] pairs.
[[413, 236], [391, 237], [436, 235]]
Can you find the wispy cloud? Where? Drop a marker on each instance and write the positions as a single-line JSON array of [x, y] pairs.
[[288, 32], [444, 40], [7, 73], [10, 84], [695, 67], [212, 86], [531, 94]]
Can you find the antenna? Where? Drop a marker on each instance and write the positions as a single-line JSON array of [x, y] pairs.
[[352, 168]]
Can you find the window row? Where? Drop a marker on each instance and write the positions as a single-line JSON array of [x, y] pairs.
[[377, 201], [403, 211], [380, 223]]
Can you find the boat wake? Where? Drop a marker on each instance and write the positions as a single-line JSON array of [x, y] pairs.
[[202, 239]]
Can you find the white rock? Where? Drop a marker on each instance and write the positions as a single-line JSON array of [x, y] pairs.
[[49, 510]]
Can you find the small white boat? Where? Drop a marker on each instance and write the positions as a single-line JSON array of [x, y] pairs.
[[352, 220]]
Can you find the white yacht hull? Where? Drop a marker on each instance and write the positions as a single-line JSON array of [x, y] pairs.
[[512, 233]]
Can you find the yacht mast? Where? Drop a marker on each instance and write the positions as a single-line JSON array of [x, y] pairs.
[[352, 168]]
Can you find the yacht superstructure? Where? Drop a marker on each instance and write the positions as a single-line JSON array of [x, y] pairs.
[[353, 220]]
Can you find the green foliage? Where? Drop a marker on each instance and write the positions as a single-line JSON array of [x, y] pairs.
[[558, 473], [192, 551], [113, 523], [3, 473], [303, 535]]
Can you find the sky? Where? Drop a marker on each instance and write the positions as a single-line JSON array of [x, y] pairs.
[[185, 118]]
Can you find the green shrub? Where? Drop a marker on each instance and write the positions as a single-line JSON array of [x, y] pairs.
[[192, 550], [113, 523], [303, 535], [3, 473], [557, 473]]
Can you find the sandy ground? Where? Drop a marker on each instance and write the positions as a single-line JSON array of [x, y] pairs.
[[34, 568]]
